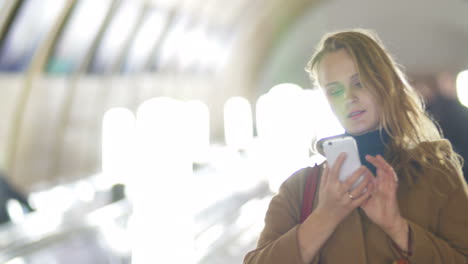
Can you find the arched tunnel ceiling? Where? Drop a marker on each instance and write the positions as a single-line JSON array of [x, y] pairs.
[[46, 134], [265, 43], [425, 37]]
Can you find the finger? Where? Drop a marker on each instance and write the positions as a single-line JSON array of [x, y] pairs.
[[348, 183], [366, 198], [324, 178], [379, 162], [335, 170], [379, 165], [371, 186], [387, 167], [369, 192], [383, 163], [362, 187], [389, 174], [372, 160], [378, 184], [359, 201]]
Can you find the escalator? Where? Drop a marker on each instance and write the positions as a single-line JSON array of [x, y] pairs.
[[99, 232]]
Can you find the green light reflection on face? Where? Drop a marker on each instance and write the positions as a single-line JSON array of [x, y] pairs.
[[335, 90]]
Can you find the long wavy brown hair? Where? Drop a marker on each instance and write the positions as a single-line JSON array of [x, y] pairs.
[[403, 116]]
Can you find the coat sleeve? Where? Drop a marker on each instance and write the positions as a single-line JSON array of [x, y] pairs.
[[449, 245], [278, 242]]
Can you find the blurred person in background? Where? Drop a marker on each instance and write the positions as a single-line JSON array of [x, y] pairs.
[[9, 192], [450, 114], [413, 209]]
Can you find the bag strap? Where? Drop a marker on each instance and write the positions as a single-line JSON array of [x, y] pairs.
[[309, 192]]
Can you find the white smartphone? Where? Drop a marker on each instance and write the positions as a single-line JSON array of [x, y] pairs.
[[332, 147]]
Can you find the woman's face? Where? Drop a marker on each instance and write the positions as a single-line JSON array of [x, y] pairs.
[[353, 104]]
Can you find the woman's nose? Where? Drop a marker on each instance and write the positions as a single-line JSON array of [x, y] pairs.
[[350, 96]]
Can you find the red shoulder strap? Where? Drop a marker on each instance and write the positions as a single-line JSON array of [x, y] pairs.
[[309, 192]]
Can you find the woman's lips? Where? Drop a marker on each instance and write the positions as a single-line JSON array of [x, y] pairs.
[[356, 115]]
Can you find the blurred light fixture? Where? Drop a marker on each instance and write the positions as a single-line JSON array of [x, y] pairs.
[[198, 121], [79, 32], [55, 201], [168, 4], [278, 130], [288, 119], [323, 117], [15, 210], [118, 140], [116, 34], [462, 87], [84, 191], [116, 237], [145, 39], [29, 26], [162, 180], [17, 260], [238, 125], [191, 46], [174, 42]]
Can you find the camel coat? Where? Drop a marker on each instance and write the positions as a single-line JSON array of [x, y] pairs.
[[437, 212]]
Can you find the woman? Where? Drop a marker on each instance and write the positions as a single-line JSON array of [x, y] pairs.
[[412, 208]]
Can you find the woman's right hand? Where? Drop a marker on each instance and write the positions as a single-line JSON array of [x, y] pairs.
[[336, 198]]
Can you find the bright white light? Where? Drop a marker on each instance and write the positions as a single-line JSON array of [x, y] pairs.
[[462, 87], [256, 224], [162, 135], [175, 40], [84, 191], [238, 125], [281, 130], [119, 29], [17, 260], [15, 210], [284, 118], [199, 126], [55, 201], [249, 209], [326, 122], [118, 143], [94, 11], [162, 180], [116, 237], [85, 22], [146, 37], [192, 46], [207, 238], [167, 4], [288, 119], [215, 52], [46, 219]]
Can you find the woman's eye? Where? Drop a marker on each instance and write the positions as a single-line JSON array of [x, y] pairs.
[[358, 84], [335, 92]]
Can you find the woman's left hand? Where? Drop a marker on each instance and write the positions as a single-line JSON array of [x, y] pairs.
[[382, 207]]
